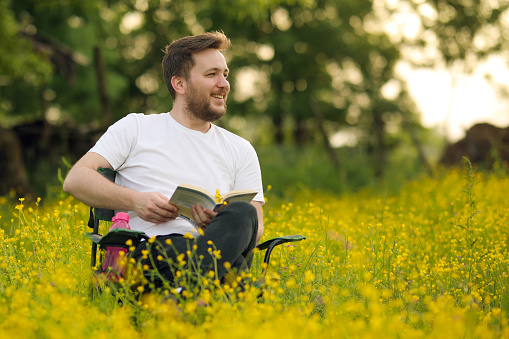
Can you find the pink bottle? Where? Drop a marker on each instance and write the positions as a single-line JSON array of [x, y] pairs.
[[113, 257]]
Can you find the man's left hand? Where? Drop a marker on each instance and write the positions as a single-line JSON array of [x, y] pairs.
[[202, 216]]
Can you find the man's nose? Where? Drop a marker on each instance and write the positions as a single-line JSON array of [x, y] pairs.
[[223, 82]]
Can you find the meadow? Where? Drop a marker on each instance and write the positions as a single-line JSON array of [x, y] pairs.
[[429, 261]]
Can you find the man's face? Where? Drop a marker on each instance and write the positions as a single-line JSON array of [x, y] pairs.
[[207, 87]]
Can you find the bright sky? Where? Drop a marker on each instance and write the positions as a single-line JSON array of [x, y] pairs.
[[454, 108], [453, 103]]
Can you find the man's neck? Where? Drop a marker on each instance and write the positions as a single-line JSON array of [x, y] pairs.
[[186, 119]]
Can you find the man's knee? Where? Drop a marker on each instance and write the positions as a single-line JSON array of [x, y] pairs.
[[241, 207], [241, 211], [238, 215]]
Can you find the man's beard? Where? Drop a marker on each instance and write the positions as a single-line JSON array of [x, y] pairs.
[[200, 107]]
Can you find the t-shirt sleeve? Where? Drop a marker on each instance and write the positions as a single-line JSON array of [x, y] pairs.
[[249, 174], [116, 143]]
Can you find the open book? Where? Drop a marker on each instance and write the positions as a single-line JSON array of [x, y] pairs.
[[186, 196]]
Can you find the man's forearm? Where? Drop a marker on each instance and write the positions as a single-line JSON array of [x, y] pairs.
[[259, 213], [90, 187], [260, 232]]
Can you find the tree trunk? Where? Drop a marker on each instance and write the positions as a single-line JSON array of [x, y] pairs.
[[103, 93], [301, 132], [277, 121], [321, 127], [12, 167], [380, 147], [47, 129], [417, 143]]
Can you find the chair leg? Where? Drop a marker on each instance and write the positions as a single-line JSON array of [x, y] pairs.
[[267, 255], [93, 255]]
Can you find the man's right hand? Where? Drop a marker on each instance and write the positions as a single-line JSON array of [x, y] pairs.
[[154, 207]]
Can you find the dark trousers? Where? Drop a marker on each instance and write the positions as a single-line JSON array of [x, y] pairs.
[[232, 231]]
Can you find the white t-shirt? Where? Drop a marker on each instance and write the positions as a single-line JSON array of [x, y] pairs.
[[154, 153]]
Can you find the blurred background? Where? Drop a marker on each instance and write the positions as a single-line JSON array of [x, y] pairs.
[[335, 95]]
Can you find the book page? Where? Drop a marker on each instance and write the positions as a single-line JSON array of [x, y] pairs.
[[184, 198], [239, 195], [195, 188], [190, 197]]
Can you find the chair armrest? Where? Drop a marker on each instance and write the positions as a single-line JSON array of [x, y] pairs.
[[279, 241], [270, 244]]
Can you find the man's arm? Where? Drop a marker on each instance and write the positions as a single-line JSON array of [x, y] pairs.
[[90, 187], [259, 212]]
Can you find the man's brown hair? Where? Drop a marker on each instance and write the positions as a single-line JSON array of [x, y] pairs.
[[178, 59]]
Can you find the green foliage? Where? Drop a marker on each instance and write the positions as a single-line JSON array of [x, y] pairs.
[[465, 32], [307, 52], [18, 56], [132, 34], [292, 169], [20, 64]]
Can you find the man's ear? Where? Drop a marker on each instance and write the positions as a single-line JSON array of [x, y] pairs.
[[178, 84]]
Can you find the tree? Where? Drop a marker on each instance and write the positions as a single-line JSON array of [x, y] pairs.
[[319, 68], [462, 31], [457, 35]]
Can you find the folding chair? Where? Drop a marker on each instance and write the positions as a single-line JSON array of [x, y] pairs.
[[119, 237]]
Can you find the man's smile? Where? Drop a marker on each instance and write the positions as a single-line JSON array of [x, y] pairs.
[[218, 96]]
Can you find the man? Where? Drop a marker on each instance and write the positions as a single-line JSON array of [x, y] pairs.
[[153, 154]]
